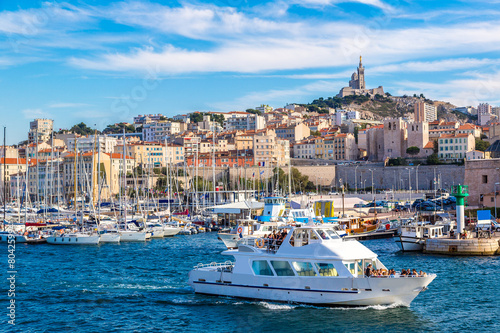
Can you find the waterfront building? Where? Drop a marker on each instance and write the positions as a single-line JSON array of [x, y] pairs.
[[11, 166], [242, 121]]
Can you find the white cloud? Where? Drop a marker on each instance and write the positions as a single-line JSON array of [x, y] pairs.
[[475, 89], [34, 113], [434, 66], [375, 3]]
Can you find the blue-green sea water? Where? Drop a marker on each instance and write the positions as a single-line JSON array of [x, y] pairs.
[[142, 287]]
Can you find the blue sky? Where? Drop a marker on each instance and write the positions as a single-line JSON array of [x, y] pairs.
[[103, 62]]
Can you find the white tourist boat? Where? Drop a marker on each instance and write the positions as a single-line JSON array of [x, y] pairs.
[[77, 238], [313, 265], [412, 237], [248, 229]]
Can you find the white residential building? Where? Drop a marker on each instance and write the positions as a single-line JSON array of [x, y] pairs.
[[244, 121], [86, 144]]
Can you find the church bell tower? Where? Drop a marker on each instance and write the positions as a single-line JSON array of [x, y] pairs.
[[361, 75]]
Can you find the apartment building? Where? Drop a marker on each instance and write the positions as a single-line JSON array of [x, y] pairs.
[[424, 112], [243, 121], [86, 144], [304, 149], [455, 146], [158, 131], [42, 128], [293, 133]]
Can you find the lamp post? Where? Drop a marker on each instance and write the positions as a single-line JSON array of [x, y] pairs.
[[356, 179], [373, 193], [495, 194], [409, 182], [416, 179]]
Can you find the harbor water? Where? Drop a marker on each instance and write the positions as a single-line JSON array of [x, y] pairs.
[[142, 287]]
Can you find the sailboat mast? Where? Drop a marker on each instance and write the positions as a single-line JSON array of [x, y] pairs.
[[124, 180], [4, 175]]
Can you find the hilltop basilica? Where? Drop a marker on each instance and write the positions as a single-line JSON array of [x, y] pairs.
[[357, 84]]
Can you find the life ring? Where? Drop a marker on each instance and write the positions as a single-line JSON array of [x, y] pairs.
[[387, 226], [240, 229], [259, 243]]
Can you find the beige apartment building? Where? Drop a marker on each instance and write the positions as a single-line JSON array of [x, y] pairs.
[[269, 149], [293, 133], [153, 153], [455, 146]]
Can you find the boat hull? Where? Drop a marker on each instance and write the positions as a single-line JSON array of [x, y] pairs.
[[132, 236], [73, 240], [18, 238], [170, 232], [230, 240], [409, 244], [110, 238]]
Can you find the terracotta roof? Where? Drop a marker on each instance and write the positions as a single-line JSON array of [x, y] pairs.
[[429, 145], [10, 160], [459, 135]]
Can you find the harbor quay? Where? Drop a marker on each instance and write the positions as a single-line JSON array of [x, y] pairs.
[[463, 247]]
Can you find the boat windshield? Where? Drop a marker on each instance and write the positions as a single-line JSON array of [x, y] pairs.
[[332, 234]]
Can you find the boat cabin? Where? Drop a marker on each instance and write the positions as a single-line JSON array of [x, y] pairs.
[[274, 207]]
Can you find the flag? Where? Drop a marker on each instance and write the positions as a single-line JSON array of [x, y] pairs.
[[262, 172], [262, 164], [253, 174]]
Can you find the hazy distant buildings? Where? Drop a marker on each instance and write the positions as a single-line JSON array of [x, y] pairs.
[[425, 112]]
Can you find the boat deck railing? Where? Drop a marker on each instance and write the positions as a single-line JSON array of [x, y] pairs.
[[215, 264], [268, 244]]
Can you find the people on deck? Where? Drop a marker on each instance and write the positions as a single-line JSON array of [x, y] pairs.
[[368, 270]]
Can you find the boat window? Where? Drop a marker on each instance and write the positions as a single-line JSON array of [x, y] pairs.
[[350, 267], [360, 267], [313, 236], [282, 268], [261, 267], [299, 238], [326, 269], [332, 234], [304, 268], [323, 234]]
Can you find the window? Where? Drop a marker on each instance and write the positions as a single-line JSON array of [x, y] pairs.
[[326, 269], [485, 179], [350, 267], [304, 268], [261, 267], [282, 268]]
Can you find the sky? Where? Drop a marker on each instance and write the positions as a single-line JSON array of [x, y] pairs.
[[102, 62]]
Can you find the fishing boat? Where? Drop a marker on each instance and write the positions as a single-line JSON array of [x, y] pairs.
[[412, 237], [313, 265]]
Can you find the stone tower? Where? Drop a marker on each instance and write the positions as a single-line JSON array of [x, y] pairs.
[[361, 75]]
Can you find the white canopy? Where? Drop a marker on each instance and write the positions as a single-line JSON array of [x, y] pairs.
[[237, 207]]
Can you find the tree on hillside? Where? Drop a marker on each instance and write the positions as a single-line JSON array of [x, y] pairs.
[[196, 117], [82, 129], [413, 150], [118, 128], [218, 118], [253, 111]]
